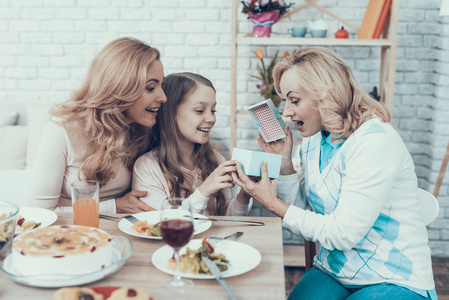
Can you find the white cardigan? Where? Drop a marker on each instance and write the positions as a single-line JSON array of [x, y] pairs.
[[366, 213]]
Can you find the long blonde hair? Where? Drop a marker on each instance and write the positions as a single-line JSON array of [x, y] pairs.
[[165, 138], [342, 104], [116, 79]]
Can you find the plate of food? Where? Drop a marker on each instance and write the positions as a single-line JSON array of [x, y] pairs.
[[148, 225], [102, 292], [232, 258], [32, 218]]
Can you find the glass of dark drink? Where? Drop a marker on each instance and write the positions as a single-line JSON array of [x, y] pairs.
[[176, 231]]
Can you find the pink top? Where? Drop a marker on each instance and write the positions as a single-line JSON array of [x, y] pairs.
[[148, 176]]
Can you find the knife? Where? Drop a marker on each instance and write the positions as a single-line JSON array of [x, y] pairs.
[[217, 273], [109, 217], [232, 221]]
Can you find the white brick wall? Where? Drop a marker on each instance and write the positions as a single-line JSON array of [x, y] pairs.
[[46, 47]]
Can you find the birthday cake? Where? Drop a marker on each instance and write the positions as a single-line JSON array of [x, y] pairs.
[[69, 250]]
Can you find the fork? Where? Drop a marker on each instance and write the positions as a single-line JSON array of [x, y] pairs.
[[131, 218], [215, 239]]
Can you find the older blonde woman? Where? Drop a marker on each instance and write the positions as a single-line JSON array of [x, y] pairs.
[[99, 132], [358, 195]]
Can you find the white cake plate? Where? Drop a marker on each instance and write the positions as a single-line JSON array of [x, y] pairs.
[[122, 251]]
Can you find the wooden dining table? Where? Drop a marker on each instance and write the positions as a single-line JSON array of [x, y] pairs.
[[266, 281]]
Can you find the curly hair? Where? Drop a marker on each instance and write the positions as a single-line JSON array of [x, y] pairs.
[[342, 104], [165, 139], [115, 81]]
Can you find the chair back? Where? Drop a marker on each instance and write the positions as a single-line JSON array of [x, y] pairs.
[[429, 206]]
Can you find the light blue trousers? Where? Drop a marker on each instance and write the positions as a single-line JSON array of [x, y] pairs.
[[318, 285]]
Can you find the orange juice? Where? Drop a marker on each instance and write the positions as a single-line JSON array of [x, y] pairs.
[[86, 213]]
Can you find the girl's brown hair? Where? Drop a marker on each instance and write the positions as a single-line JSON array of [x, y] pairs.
[[165, 138]]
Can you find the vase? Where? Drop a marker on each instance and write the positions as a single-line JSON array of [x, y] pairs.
[[263, 22]]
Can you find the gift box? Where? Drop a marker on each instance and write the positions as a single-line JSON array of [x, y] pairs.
[[251, 162], [268, 120]]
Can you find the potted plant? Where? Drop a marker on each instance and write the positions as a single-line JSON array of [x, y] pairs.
[[264, 13], [265, 83]]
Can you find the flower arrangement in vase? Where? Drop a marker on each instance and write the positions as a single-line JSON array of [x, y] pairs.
[[265, 84], [264, 13]]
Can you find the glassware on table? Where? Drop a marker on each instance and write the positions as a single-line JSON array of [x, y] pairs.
[[85, 202], [8, 220], [176, 231]]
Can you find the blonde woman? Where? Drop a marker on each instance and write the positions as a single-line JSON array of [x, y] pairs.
[[358, 193], [182, 162], [99, 132]]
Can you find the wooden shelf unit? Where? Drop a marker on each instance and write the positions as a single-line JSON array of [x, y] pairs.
[[312, 41], [387, 43]]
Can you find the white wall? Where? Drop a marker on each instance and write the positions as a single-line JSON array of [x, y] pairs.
[[46, 47]]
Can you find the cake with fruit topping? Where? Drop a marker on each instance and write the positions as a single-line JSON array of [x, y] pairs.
[[69, 250]]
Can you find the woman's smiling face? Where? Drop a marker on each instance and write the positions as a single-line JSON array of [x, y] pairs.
[[195, 116], [298, 104], [144, 110]]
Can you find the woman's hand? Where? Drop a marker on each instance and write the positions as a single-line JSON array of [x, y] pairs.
[[131, 204], [263, 191], [219, 179], [283, 148]]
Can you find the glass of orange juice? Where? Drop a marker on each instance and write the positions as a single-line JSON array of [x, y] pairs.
[[85, 202]]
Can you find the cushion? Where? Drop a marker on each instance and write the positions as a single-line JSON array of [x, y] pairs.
[[37, 116], [8, 117], [15, 186], [13, 146]]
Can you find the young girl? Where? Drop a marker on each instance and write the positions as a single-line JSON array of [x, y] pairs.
[[359, 179], [181, 161]]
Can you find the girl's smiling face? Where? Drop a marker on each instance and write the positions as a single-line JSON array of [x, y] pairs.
[[195, 116], [298, 105]]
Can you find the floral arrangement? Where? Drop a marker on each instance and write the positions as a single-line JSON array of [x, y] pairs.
[[264, 13], [265, 84], [259, 6]]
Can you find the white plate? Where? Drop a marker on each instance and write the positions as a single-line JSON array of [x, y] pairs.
[[44, 216], [122, 251], [153, 217], [242, 258]]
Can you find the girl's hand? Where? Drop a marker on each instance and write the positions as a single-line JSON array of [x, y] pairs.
[[283, 148], [131, 204], [243, 197], [219, 179], [262, 190]]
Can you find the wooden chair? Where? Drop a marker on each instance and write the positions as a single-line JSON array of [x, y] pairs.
[[309, 253]]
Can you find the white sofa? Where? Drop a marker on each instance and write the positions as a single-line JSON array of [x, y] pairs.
[[20, 130]]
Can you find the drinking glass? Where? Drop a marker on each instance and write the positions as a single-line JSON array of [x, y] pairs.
[[85, 202], [8, 220], [176, 231]]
